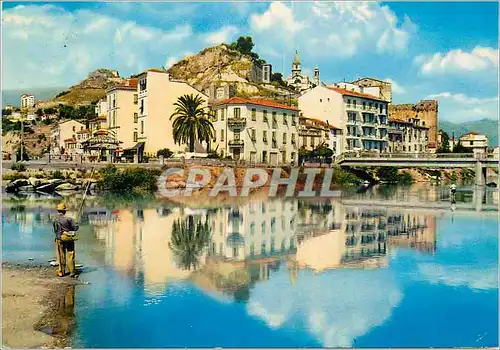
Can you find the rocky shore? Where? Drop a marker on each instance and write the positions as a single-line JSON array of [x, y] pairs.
[[37, 307]]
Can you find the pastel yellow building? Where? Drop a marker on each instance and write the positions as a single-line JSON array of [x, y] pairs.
[[157, 94], [63, 131], [122, 113]]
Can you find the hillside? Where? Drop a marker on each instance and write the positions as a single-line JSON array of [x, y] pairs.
[[488, 127], [90, 90], [222, 65]]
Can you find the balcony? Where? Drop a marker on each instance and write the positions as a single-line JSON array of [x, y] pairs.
[[236, 143], [236, 122]]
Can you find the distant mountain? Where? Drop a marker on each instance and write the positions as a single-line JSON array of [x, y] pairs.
[[488, 127]]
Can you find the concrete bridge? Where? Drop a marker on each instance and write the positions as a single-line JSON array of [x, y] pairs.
[[479, 162]]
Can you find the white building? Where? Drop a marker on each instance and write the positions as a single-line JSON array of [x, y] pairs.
[[361, 117], [299, 81], [314, 132], [101, 107], [27, 101], [408, 136], [474, 142], [260, 131]]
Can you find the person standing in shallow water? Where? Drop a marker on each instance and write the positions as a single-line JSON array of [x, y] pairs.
[[65, 226]]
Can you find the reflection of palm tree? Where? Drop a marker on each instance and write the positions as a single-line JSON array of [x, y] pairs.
[[188, 241]]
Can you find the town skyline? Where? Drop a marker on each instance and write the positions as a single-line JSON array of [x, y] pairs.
[[395, 42]]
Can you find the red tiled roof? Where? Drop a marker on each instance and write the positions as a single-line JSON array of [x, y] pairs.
[[320, 122], [70, 140], [471, 133], [258, 102], [84, 131], [101, 132], [355, 94]]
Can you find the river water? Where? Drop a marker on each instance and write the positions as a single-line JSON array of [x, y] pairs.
[[392, 267]]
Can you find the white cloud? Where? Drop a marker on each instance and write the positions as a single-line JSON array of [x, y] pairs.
[[335, 307], [223, 35], [330, 29], [462, 98], [479, 59], [46, 46], [396, 88], [456, 276]]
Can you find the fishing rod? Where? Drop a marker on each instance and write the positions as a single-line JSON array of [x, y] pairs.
[[85, 195]]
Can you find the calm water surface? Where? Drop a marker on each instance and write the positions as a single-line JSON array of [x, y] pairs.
[[358, 271]]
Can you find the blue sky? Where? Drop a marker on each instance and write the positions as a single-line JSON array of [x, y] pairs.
[[447, 51]]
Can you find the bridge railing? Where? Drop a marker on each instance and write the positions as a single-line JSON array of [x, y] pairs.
[[367, 155]]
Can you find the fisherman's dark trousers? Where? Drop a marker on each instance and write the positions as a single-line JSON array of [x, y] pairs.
[[65, 256]]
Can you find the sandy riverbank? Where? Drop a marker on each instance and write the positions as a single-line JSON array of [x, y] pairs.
[[37, 307]]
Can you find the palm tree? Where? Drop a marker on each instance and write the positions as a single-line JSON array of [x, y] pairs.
[[191, 121], [188, 241]]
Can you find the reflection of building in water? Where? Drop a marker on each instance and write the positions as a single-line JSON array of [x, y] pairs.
[[350, 236], [137, 243], [254, 230]]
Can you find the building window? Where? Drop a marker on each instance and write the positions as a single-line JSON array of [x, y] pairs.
[[275, 144], [293, 138], [222, 114], [222, 135], [141, 109], [364, 105], [264, 115], [284, 138], [354, 103], [348, 102], [237, 112], [142, 126], [136, 117], [320, 100], [254, 114], [275, 121], [472, 143], [312, 141], [135, 99], [253, 135], [264, 160], [264, 136], [142, 85], [293, 120], [135, 136], [263, 228], [74, 129]]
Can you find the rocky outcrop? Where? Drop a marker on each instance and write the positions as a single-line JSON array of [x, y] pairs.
[[221, 65]]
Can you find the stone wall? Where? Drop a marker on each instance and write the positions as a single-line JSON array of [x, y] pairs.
[[425, 110]]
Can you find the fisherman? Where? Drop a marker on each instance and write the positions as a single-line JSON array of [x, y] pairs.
[[64, 229]]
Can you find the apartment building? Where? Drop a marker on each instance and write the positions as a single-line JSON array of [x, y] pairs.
[[314, 132], [101, 107], [157, 94], [362, 118], [408, 136], [474, 142], [65, 130], [98, 123], [27, 101], [261, 131], [122, 113]]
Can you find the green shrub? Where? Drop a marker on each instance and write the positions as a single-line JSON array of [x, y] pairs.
[[57, 174], [387, 174], [129, 180], [165, 152], [18, 166], [343, 177], [14, 176], [405, 178]]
